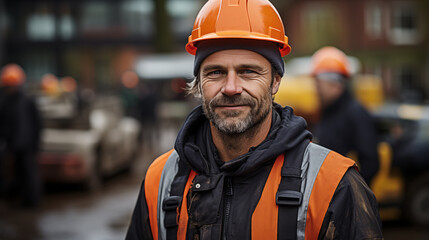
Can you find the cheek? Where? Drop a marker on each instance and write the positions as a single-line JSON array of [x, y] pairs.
[[258, 90], [210, 89]]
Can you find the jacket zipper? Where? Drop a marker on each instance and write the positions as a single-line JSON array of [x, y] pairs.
[[227, 207]]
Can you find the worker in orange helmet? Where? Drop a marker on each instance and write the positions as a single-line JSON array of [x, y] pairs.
[[20, 127], [12, 75], [345, 125], [243, 167]]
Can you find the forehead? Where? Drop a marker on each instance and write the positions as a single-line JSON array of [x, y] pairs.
[[236, 57]]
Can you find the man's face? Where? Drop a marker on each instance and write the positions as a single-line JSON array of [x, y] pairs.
[[237, 88], [328, 91]]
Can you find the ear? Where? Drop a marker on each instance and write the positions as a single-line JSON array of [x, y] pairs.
[[276, 84]]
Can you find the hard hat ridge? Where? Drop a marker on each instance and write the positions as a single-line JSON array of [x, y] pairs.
[[238, 19]]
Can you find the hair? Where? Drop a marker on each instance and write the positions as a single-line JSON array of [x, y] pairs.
[[193, 88]]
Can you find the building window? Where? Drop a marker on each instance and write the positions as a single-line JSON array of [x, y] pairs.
[[404, 24], [373, 20], [37, 62], [41, 24], [321, 22], [182, 13], [66, 22], [409, 84], [136, 16], [95, 16]]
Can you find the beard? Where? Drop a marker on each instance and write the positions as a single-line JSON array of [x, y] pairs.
[[233, 122]]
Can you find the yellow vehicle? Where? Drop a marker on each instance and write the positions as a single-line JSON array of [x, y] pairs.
[[300, 93]]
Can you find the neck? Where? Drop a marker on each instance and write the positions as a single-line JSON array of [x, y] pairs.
[[233, 146]]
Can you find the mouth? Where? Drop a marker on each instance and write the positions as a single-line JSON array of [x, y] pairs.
[[232, 107]]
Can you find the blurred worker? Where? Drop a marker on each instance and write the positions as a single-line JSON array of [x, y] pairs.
[[20, 127], [129, 94], [148, 103], [345, 126], [243, 167]]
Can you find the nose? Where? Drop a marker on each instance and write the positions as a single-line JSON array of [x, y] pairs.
[[232, 85]]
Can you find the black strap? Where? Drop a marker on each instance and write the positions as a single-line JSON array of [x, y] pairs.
[[171, 204], [289, 195]]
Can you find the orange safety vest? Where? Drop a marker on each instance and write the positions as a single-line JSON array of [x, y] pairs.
[[329, 174]]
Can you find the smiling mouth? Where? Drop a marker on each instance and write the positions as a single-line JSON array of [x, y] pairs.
[[232, 106]]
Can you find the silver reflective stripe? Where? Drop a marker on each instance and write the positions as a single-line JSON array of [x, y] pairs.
[[167, 176], [314, 156]]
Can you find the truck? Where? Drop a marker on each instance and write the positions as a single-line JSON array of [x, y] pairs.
[[84, 141]]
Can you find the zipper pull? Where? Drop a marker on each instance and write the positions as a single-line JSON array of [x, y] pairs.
[[229, 191]]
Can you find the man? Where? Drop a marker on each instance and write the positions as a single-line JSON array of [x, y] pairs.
[[20, 128], [242, 166], [345, 126]]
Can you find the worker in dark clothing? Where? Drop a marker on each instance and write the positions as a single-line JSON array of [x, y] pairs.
[[242, 166], [20, 127], [345, 125], [148, 102]]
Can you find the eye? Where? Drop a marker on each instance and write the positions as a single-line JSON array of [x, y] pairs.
[[217, 72], [214, 74], [248, 73]]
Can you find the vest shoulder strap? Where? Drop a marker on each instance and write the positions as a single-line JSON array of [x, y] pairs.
[[297, 198], [152, 187], [289, 194], [171, 203]]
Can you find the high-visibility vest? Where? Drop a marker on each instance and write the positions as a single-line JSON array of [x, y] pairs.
[[324, 170]]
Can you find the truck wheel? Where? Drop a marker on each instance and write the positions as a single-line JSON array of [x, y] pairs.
[[417, 201]]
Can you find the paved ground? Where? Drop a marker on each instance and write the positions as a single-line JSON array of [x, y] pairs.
[[71, 213]]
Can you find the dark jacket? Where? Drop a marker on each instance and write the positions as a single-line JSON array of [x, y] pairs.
[[226, 210], [347, 127], [20, 122]]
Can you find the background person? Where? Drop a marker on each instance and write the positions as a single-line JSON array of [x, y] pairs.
[[345, 125], [242, 166], [20, 127]]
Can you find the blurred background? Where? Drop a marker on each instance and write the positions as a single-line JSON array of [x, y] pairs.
[[107, 78]]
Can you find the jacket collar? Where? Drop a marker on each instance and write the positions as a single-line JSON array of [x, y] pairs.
[[195, 146]]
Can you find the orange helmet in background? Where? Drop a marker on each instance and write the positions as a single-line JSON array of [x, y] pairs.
[[238, 19], [68, 84], [50, 84], [129, 79], [12, 75], [330, 60]]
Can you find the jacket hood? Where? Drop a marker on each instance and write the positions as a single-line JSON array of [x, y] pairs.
[[195, 146]]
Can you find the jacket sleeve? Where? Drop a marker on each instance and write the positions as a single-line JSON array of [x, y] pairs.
[[140, 225], [365, 137], [353, 211]]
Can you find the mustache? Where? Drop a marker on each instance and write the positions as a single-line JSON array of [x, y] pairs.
[[232, 100]]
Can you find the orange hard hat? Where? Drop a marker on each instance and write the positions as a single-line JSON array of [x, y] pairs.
[[68, 84], [130, 79], [12, 75], [50, 84], [238, 19], [330, 60]]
